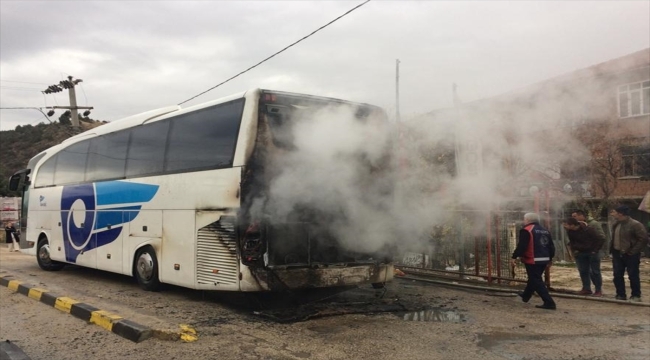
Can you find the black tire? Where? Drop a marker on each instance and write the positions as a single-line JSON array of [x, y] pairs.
[[145, 269], [379, 285], [43, 256]]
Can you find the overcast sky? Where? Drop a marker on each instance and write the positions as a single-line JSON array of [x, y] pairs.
[[138, 56]]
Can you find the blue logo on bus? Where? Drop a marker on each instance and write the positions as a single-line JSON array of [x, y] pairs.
[[92, 215]]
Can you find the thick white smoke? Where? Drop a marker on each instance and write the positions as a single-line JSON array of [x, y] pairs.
[[511, 140], [340, 167]]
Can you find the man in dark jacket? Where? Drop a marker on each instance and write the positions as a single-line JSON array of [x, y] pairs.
[[11, 237], [10, 230], [585, 243], [629, 237], [583, 217], [536, 250]]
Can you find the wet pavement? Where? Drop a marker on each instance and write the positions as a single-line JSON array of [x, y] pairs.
[[435, 315], [296, 307]]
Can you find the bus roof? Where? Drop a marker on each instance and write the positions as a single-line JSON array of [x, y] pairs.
[[139, 119], [174, 110]]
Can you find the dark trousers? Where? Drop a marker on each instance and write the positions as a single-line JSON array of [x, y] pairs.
[[536, 283], [622, 262]]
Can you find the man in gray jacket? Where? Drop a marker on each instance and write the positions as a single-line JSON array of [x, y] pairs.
[[629, 237]]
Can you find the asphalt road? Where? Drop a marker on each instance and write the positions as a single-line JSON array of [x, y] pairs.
[[452, 323]]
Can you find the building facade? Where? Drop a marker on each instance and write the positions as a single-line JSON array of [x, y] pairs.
[[582, 139]]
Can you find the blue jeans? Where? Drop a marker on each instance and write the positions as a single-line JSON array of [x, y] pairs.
[[622, 262], [589, 269]]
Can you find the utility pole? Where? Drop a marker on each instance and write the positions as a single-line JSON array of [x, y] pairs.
[[69, 85], [397, 117], [73, 102]]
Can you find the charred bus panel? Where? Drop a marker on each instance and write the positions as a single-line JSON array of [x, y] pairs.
[[300, 248]]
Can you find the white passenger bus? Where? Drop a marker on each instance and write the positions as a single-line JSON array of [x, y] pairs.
[[167, 196]]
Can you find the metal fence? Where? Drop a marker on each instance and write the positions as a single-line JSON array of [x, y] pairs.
[[479, 246]]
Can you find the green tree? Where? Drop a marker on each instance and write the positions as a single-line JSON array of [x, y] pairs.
[[65, 118]]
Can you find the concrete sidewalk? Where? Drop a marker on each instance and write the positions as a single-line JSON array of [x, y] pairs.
[[10, 351]]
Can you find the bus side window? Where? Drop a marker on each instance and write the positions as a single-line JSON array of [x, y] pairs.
[[146, 152], [107, 157], [45, 175], [71, 164], [204, 139]]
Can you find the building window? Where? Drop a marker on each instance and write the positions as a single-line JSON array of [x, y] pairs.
[[634, 99], [636, 162]]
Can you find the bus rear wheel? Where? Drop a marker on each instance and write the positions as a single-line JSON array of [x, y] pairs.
[[43, 256], [146, 269]]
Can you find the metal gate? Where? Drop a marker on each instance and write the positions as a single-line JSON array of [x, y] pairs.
[[478, 246]]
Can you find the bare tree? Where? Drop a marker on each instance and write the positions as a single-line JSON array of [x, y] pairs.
[[605, 167]]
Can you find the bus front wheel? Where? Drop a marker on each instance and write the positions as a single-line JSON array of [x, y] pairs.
[[146, 269], [43, 257]]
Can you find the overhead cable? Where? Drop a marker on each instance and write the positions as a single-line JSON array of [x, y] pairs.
[[268, 58], [22, 82]]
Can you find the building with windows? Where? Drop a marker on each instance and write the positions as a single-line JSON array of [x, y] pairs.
[[579, 140], [634, 99], [579, 137]]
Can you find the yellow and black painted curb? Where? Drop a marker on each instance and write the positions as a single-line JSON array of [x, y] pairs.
[[111, 322], [186, 334]]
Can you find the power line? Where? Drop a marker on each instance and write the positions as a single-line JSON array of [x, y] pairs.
[[21, 108], [37, 120], [53, 97], [22, 82], [19, 88], [268, 58], [84, 92], [39, 109]]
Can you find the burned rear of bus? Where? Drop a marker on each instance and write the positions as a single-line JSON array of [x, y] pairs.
[[319, 167]]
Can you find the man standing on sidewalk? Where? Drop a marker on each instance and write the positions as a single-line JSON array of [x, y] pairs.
[[585, 243], [536, 250], [629, 237], [582, 216]]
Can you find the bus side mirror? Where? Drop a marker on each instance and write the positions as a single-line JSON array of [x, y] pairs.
[[14, 181], [18, 179]]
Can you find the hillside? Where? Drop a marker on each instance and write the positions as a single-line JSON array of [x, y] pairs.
[[19, 145]]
